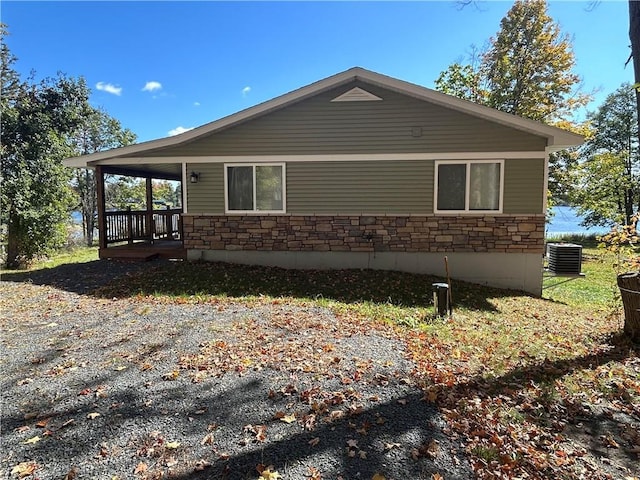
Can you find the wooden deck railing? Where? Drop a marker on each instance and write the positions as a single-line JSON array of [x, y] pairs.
[[131, 225]]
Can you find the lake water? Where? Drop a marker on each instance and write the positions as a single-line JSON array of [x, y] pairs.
[[567, 220]]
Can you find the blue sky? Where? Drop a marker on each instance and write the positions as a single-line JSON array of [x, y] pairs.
[[161, 66]]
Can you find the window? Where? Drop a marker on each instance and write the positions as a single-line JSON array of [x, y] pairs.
[[471, 186], [255, 188]]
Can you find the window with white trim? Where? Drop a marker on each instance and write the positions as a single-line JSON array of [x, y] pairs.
[[254, 188], [473, 186]]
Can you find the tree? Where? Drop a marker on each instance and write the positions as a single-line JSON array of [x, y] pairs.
[[464, 81], [97, 131], [634, 36], [122, 192], [35, 196], [526, 70], [607, 183], [529, 66]]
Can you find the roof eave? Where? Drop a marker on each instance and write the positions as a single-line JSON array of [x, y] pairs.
[[556, 138], [238, 117]]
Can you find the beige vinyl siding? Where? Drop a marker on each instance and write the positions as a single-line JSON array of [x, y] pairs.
[[206, 196], [397, 124], [401, 187], [523, 186]]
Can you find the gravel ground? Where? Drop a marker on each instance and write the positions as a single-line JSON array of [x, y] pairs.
[[137, 388]]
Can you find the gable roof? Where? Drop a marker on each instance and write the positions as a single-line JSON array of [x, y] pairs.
[[557, 139]]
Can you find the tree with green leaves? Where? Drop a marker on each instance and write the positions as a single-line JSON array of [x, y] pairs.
[[164, 192], [526, 69], [98, 131], [36, 121], [607, 182]]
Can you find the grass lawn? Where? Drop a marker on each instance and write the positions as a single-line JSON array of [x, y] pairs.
[[534, 387]]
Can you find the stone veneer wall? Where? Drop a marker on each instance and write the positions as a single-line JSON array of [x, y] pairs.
[[352, 233]]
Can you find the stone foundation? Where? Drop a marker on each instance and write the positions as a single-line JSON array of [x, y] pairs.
[[348, 233]]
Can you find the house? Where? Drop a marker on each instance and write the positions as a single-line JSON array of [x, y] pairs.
[[358, 170]]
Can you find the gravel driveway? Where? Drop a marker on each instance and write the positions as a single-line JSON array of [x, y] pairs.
[[101, 388]]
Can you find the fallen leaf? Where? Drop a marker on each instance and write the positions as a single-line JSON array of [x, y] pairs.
[[314, 441], [172, 445], [314, 474], [92, 415], [377, 476], [43, 423], [268, 473], [207, 440], [436, 476], [415, 453], [140, 468], [71, 474], [432, 449], [609, 441], [173, 375], [288, 419], [201, 465], [32, 440], [24, 469]]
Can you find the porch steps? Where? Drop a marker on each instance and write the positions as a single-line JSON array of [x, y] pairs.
[[144, 252], [130, 255]]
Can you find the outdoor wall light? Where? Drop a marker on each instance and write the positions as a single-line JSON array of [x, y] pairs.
[[195, 176]]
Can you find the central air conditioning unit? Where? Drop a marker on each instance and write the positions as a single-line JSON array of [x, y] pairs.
[[564, 258]]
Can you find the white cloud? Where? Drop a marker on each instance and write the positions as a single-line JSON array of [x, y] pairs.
[[245, 91], [178, 130], [109, 88], [152, 86], [196, 104]]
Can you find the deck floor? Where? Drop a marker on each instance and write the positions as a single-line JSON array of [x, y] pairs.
[[144, 251]]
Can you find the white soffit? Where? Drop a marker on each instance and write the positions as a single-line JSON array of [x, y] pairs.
[[356, 94]]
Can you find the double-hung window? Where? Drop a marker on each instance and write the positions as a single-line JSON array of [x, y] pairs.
[[255, 188], [473, 186]]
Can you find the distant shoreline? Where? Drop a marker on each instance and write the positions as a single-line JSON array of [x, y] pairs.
[[566, 221]]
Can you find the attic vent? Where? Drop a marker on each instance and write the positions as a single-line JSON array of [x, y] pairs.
[[356, 94], [565, 258]]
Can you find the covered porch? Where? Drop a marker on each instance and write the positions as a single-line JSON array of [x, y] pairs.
[[139, 235]]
